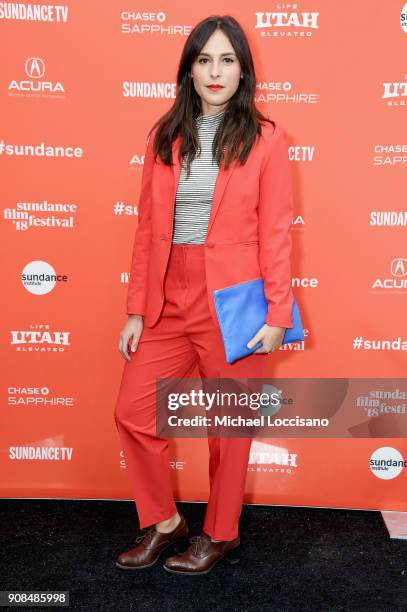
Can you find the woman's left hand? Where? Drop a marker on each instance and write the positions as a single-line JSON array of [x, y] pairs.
[[270, 336]]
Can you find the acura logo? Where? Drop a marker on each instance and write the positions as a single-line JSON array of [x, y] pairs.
[[34, 67], [398, 267]]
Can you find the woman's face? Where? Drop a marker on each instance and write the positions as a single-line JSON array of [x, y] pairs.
[[217, 64]]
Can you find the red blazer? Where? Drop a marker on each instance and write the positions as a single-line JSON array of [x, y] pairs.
[[249, 230]]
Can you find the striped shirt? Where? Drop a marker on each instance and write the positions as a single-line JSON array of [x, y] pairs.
[[194, 195]]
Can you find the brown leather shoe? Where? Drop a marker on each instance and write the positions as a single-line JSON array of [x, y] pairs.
[[151, 543], [201, 556]]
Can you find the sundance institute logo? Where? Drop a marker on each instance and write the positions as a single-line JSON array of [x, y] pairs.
[[403, 18]]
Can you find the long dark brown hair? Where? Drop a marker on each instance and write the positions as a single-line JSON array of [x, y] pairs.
[[240, 124]]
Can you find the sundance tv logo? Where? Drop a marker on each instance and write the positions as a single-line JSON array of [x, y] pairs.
[[40, 453], [35, 85], [17, 11]]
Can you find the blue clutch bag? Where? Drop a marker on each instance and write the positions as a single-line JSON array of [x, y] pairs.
[[242, 310]]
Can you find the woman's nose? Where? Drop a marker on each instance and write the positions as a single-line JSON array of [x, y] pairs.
[[215, 70]]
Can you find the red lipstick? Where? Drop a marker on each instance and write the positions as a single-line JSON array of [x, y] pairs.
[[215, 87]]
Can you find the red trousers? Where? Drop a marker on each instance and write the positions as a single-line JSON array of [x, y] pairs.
[[184, 336]]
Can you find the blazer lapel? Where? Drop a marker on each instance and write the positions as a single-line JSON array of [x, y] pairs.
[[220, 185]]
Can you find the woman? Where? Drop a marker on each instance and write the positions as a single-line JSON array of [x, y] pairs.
[[215, 209]]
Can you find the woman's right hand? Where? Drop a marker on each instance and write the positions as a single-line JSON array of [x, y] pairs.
[[130, 333]]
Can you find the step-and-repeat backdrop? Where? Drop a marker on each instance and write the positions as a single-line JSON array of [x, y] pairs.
[[81, 84]]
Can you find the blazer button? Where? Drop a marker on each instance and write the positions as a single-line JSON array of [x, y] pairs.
[[210, 244], [163, 237]]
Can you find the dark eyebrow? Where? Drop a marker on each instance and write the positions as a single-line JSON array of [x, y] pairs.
[[208, 54]]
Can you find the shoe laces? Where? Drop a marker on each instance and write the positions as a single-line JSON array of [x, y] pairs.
[[146, 533], [199, 544]]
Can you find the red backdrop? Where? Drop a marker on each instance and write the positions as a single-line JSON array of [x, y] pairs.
[[81, 87]]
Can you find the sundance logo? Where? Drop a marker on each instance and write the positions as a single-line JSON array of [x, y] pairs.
[[35, 83], [391, 218], [39, 277], [139, 89], [398, 269], [286, 23]]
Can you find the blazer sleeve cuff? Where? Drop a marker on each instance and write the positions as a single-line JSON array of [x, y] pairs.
[[135, 306], [279, 317]]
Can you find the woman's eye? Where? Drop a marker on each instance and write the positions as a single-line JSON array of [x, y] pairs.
[[228, 60]]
